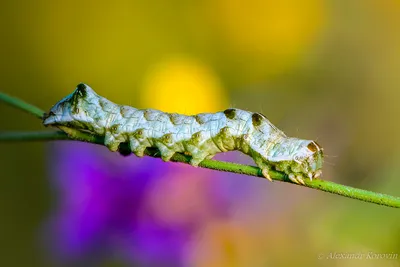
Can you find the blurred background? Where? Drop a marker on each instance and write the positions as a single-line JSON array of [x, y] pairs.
[[324, 70]]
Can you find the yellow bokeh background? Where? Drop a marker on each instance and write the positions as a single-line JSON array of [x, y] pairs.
[[183, 85], [272, 34]]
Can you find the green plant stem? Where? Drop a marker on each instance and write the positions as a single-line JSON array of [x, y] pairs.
[[22, 105], [323, 185]]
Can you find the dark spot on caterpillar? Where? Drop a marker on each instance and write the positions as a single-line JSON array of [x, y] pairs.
[[230, 113], [79, 93], [139, 133], [124, 111], [151, 114], [147, 114], [102, 104], [167, 138], [114, 128], [257, 119], [199, 119], [81, 86], [196, 138], [172, 118], [81, 90], [313, 146]]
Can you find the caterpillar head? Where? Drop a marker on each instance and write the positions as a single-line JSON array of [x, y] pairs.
[[75, 112], [299, 159]]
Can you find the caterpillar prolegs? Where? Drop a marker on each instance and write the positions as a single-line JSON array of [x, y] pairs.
[[201, 136]]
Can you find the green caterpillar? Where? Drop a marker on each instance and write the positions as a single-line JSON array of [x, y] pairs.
[[201, 136]]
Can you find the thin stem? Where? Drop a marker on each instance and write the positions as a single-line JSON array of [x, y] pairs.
[[323, 185], [22, 105], [33, 136]]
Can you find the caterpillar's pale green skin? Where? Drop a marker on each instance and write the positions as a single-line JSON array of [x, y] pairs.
[[201, 136]]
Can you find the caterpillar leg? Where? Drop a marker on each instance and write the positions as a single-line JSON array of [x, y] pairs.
[[197, 155], [136, 147], [111, 143], [265, 173], [166, 153], [265, 168], [298, 179], [196, 159]]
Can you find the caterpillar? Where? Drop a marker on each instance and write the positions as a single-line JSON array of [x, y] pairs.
[[201, 136]]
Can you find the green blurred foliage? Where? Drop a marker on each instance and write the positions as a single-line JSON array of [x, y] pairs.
[[318, 69]]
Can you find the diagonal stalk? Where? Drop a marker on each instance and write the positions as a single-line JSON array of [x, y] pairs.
[[318, 184]]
